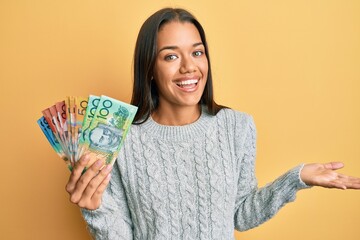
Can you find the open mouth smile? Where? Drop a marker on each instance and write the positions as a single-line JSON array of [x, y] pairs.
[[188, 84]]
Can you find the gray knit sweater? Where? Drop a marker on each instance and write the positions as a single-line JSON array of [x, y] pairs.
[[189, 182]]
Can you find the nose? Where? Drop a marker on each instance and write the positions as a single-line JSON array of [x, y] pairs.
[[187, 65]]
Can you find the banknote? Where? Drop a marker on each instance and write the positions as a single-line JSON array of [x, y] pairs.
[[92, 125], [72, 118], [92, 105], [107, 130], [81, 104], [43, 124], [57, 121], [54, 125], [61, 112]]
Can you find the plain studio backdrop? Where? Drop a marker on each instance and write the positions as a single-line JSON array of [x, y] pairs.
[[293, 65]]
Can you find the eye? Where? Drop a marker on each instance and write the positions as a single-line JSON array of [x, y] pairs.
[[170, 57], [198, 53]]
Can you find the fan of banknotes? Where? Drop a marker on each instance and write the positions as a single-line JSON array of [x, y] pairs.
[[92, 125]]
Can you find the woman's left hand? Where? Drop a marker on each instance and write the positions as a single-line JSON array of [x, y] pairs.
[[324, 175]]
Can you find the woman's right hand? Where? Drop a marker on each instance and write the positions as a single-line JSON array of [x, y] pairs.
[[86, 189]]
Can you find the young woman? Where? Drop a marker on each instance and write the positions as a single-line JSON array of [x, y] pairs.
[[186, 170]]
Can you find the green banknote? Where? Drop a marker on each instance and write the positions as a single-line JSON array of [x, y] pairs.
[[109, 124], [90, 125], [92, 105]]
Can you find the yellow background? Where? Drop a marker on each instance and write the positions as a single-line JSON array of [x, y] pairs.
[[293, 65]]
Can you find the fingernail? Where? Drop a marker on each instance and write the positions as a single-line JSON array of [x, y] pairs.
[[108, 168], [99, 163], [108, 176], [85, 158]]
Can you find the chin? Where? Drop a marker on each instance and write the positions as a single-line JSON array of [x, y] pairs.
[[192, 103]]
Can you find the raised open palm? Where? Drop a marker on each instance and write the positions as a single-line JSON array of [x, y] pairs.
[[325, 175]]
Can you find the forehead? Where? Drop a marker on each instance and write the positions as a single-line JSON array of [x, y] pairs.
[[177, 33]]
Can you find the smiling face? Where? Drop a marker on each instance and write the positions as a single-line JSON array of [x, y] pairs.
[[181, 66]]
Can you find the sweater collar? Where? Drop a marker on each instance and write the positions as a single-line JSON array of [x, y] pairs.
[[193, 130]]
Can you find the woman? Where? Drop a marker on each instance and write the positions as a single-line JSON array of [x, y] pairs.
[[186, 170]]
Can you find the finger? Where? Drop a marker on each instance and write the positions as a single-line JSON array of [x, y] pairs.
[[351, 182], [338, 185], [94, 202], [96, 182], [84, 180], [76, 173], [334, 165], [100, 190], [353, 185]]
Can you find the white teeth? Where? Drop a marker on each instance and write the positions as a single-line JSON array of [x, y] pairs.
[[188, 82]]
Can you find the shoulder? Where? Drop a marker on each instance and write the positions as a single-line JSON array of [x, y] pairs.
[[235, 118], [239, 125]]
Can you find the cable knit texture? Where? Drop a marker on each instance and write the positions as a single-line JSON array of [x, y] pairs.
[[189, 182]]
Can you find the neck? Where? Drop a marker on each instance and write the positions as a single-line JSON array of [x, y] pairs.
[[176, 116]]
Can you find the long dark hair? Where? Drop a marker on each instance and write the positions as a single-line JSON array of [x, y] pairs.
[[145, 94]]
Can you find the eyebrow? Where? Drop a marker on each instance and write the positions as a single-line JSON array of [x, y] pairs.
[[176, 47]]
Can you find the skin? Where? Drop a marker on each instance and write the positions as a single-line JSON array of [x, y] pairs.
[[181, 57], [324, 175], [86, 189]]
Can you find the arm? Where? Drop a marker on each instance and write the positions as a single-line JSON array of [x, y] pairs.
[[255, 205], [103, 201]]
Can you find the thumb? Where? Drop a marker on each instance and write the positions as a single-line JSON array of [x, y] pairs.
[[334, 165]]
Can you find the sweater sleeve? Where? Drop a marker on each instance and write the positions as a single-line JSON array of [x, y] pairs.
[[255, 205], [112, 219]]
